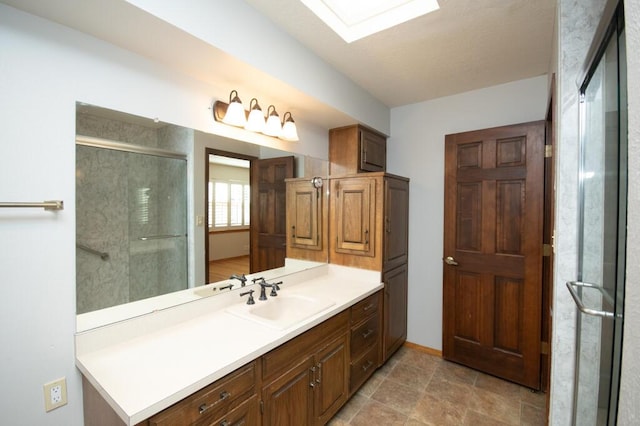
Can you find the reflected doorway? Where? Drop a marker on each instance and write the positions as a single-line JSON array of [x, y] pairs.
[[227, 214]]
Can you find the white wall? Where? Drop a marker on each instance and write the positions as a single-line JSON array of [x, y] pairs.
[[44, 69], [416, 150]]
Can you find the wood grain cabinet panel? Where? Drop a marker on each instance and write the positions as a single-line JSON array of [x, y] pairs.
[[356, 149], [307, 222], [212, 402]]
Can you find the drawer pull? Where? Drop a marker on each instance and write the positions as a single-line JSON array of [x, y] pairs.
[[366, 367], [223, 395], [369, 306], [224, 423], [367, 333], [319, 379]]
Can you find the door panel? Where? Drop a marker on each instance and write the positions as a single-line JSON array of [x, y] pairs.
[[268, 212], [493, 235]]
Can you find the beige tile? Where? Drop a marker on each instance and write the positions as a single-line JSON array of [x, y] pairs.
[[473, 418], [387, 367], [491, 404], [376, 413], [414, 422], [535, 398], [371, 385], [456, 373], [337, 422], [417, 358], [503, 388], [352, 407], [532, 416], [435, 411], [411, 376], [454, 392], [397, 396]]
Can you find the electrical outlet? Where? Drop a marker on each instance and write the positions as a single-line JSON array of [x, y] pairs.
[[55, 394]]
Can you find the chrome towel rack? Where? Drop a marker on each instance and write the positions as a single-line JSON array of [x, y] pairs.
[[101, 254], [47, 205]]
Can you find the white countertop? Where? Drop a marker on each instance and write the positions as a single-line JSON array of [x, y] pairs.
[[146, 364]]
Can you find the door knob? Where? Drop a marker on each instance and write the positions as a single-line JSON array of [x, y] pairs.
[[450, 261]]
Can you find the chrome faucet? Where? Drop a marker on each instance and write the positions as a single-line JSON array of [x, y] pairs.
[[241, 278], [224, 287], [264, 285]]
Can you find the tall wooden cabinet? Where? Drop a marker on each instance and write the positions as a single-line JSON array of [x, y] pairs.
[[369, 217]]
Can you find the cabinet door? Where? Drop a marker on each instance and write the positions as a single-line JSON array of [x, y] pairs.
[[396, 223], [373, 152], [332, 379], [354, 215], [395, 309], [288, 400], [304, 214]]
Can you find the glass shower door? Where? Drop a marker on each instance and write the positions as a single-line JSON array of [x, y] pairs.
[[599, 290], [131, 226]]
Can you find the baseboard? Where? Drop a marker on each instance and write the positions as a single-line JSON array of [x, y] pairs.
[[425, 349]]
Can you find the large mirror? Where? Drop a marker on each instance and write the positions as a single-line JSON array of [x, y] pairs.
[[165, 213]]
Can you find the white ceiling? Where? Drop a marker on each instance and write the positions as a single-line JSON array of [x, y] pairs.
[[465, 45]]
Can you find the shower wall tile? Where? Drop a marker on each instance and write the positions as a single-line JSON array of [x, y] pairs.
[[577, 22], [121, 198]]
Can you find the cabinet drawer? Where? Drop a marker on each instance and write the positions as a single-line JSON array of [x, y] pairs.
[[363, 368], [279, 360], [211, 402], [364, 308], [364, 336], [245, 414]]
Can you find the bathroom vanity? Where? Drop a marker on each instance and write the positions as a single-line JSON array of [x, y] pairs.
[[295, 358]]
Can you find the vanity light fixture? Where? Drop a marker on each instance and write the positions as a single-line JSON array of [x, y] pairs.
[[289, 131], [273, 126], [235, 115], [255, 122]]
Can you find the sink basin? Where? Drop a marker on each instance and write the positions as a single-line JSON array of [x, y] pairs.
[[282, 311]]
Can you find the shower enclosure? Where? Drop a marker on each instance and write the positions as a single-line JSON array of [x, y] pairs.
[[131, 223]]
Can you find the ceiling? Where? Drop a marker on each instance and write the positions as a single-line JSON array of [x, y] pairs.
[[463, 46]]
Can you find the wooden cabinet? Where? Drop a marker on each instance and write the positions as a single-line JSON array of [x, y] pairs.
[[306, 221], [370, 229], [306, 379], [365, 340], [395, 310], [370, 221], [354, 216], [231, 399], [356, 149]]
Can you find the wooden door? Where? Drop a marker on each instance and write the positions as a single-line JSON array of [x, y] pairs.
[[268, 212], [395, 309], [288, 400], [354, 215], [332, 380], [493, 250], [396, 222]]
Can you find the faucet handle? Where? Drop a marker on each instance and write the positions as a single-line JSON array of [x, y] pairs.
[[259, 280], [274, 287], [250, 300]]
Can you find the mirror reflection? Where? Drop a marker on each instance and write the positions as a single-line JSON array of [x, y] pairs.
[[137, 249]]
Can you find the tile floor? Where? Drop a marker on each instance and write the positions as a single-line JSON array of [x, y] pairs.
[[415, 388]]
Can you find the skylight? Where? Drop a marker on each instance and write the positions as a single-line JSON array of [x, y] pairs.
[[356, 19]]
